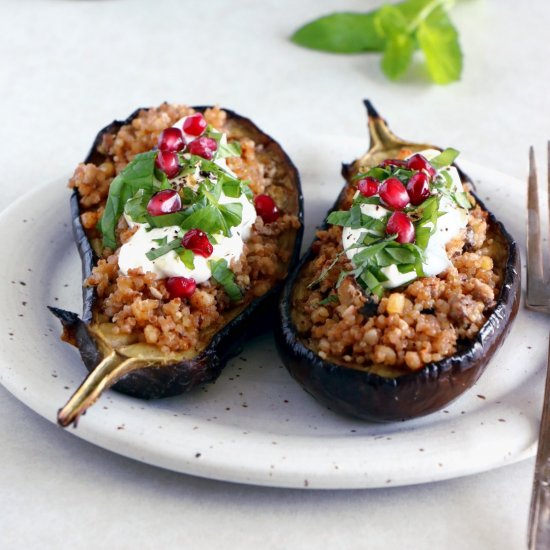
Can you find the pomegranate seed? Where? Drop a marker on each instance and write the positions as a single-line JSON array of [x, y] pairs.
[[368, 186], [180, 287], [164, 202], [420, 162], [418, 188], [171, 139], [194, 125], [400, 224], [197, 241], [393, 162], [168, 162], [204, 147], [266, 208], [394, 194]]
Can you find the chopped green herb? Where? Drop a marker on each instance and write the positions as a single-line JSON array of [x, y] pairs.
[[461, 198], [136, 207], [187, 257], [226, 150], [225, 277], [188, 196], [161, 242], [162, 250], [139, 174], [445, 158]]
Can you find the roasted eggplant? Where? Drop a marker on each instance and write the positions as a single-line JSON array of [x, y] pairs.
[[140, 369], [371, 393]]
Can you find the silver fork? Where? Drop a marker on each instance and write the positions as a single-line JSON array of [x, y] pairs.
[[538, 298]]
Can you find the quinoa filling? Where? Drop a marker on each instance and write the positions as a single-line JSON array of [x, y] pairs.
[[191, 219], [392, 310]]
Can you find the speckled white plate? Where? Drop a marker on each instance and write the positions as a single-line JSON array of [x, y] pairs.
[[255, 424]]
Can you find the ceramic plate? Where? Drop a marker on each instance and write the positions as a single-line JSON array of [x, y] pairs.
[[255, 424]]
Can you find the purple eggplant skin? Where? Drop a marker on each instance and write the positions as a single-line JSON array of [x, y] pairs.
[[372, 397], [165, 380]]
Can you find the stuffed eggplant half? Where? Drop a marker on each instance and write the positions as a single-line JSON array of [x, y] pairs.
[[408, 290], [187, 220]]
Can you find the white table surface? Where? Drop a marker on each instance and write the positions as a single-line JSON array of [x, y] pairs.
[[69, 67]]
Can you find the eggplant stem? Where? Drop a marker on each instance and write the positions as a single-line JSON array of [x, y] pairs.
[[382, 138], [107, 372]]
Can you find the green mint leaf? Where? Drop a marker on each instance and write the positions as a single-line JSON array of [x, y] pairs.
[[367, 255], [225, 277], [400, 45], [136, 207], [232, 189], [422, 236], [401, 255], [369, 280], [405, 268], [339, 217], [161, 242], [208, 219], [341, 33], [187, 257], [139, 174], [461, 198], [438, 39], [232, 213], [162, 180], [188, 196], [377, 226], [361, 199], [213, 168], [246, 191], [390, 22], [167, 220], [376, 172], [227, 150], [445, 158], [162, 250]]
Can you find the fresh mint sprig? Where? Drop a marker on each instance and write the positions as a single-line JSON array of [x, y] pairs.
[[396, 31]]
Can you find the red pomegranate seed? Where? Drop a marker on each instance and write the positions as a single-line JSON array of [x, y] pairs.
[[204, 147], [171, 139], [394, 194], [420, 162], [393, 162], [195, 125], [418, 188], [266, 208], [168, 162], [400, 224], [180, 287], [164, 202], [368, 186], [197, 241]]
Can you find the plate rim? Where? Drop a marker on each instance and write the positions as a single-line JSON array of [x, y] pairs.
[[94, 432]]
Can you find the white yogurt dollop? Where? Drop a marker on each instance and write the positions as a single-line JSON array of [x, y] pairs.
[[448, 226], [133, 254]]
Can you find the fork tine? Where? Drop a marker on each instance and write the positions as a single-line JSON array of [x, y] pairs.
[[534, 250]]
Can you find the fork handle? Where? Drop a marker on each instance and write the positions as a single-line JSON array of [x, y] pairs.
[[539, 517]]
